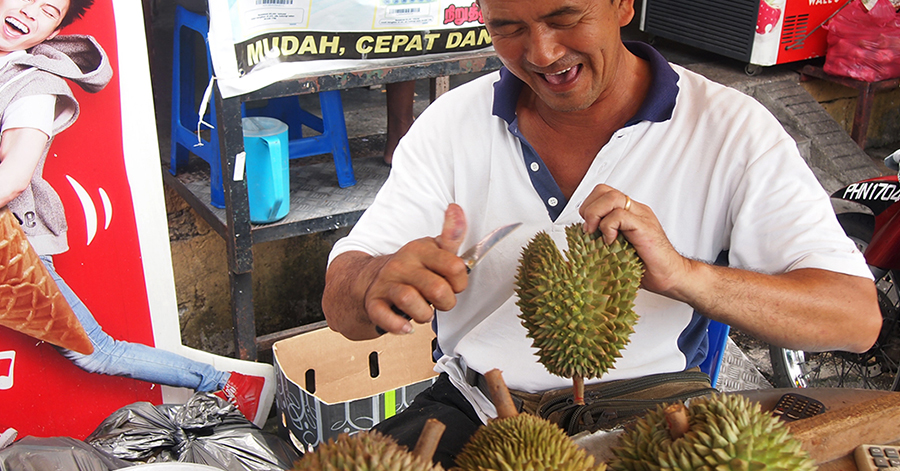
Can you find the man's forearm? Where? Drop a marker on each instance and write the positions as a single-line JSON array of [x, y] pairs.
[[806, 309]]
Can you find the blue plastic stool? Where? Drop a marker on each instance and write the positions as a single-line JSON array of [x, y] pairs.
[[717, 333], [332, 140]]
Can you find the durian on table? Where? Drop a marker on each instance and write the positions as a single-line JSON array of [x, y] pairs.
[[578, 309], [520, 442], [715, 433], [374, 451]]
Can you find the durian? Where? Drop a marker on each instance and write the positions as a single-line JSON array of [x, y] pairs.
[[373, 451], [720, 432], [578, 310], [520, 442]]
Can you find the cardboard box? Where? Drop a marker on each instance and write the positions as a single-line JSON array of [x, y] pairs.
[[328, 385]]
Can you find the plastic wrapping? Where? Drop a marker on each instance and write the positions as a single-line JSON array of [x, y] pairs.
[[864, 44], [56, 454], [206, 430]]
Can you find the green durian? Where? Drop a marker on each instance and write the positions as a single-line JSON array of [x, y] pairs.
[[364, 451], [523, 443], [578, 309], [723, 432]]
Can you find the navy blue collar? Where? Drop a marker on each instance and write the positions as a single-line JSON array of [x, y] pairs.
[[657, 107]]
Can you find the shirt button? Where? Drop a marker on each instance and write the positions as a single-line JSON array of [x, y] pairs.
[[535, 167], [553, 202]]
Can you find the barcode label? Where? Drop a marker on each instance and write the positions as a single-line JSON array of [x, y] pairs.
[[274, 2], [404, 11]]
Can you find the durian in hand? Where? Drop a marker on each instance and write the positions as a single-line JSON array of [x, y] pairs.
[[718, 432], [578, 309], [520, 442], [373, 451]]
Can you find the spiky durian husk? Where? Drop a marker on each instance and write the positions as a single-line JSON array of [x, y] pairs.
[[578, 310], [726, 432], [523, 443], [364, 451]]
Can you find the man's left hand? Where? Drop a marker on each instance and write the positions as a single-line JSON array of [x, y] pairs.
[[605, 210]]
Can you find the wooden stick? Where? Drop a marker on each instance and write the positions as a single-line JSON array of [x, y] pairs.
[[500, 394], [578, 390], [429, 439], [838, 432], [677, 420]]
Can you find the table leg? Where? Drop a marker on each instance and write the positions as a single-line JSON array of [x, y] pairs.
[[242, 315], [439, 86], [238, 238], [861, 117]]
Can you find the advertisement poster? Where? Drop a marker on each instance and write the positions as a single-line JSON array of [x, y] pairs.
[[254, 43], [106, 170]]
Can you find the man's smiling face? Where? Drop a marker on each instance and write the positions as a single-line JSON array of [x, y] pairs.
[[27, 23], [567, 51]]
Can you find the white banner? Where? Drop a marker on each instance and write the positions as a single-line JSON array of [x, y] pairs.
[[254, 43]]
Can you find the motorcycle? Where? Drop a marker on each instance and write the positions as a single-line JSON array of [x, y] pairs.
[[877, 236]]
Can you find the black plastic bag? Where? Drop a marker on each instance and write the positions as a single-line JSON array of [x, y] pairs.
[[206, 430], [56, 454]]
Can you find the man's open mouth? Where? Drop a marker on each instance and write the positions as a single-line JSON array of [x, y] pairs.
[[562, 76], [17, 25]]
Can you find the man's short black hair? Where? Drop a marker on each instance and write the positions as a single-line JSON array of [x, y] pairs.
[[77, 9]]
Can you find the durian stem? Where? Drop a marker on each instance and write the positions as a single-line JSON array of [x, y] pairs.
[[500, 394], [578, 390], [677, 420], [429, 439]]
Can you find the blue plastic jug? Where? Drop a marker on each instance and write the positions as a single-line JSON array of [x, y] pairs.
[[268, 176]]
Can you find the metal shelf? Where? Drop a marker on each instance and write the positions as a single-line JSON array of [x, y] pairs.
[[317, 203]]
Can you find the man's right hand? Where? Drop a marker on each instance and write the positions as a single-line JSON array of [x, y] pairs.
[[424, 275]]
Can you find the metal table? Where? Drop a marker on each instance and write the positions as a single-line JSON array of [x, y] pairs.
[[317, 204]]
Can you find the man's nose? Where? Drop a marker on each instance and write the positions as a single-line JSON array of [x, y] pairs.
[[543, 47]]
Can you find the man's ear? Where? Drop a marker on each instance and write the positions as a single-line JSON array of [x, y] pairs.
[[626, 12], [52, 35]]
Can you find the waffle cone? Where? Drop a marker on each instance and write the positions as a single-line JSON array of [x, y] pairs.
[[30, 301]]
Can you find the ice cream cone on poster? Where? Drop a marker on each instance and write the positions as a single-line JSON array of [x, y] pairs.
[[769, 14], [30, 301]]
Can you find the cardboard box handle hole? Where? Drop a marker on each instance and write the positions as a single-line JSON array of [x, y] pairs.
[[311, 381], [373, 365]]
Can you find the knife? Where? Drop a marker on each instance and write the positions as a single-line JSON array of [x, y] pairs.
[[477, 251], [471, 257]]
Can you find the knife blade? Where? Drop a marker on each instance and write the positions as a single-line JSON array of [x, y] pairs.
[[475, 253], [471, 257]]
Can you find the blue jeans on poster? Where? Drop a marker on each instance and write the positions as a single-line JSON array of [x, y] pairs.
[[134, 360]]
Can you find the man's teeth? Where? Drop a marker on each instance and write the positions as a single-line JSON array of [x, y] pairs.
[[17, 25], [558, 78]]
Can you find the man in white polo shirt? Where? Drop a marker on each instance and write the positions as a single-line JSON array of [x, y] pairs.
[[581, 128]]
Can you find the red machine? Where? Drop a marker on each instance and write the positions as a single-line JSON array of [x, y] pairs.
[[759, 32]]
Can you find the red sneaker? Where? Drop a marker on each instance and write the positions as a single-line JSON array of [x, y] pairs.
[[244, 392]]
